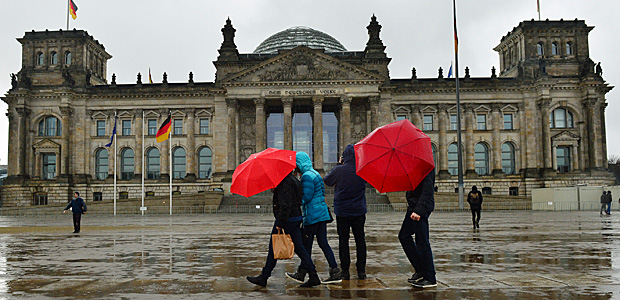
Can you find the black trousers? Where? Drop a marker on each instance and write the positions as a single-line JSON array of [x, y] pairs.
[[76, 222], [343, 224], [475, 214]]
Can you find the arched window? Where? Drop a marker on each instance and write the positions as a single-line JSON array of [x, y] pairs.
[[68, 58], [561, 118], [205, 157], [152, 163], [453, 159], [435, 156], [481, 156], [101, 164], [40, 59], [569, 48], [540, 48], [508, 158], [50, 126], [127, 164], [54, 58], [554, 48], [178, 163]]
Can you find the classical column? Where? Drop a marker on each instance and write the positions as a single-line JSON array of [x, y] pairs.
[[22, 133], [523, 145], [496, 148], [191, 144], [317, 128], [139, 151], [374, 111], [345, 121], [574, 157], [470, 165], [261, 129], [593, 125], [543, 105], [65, 152], [443, 147], [416, 117], [287, 104], [231, 105]]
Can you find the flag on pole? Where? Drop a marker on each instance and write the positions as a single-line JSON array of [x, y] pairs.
[[538, 6], [113, 134], [150, 78], [164, 130], [450, 71], [73, 9], [456, 37]]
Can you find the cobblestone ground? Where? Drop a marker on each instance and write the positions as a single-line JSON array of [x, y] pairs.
[[514, 255]]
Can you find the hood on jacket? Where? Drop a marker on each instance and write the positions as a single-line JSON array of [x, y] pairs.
[[303, 162], [474, 188], [348, 156]]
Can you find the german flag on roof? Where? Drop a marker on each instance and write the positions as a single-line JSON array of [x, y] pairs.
[[73, 9]]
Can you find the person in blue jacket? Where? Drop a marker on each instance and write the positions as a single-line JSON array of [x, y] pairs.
[[315, 218], [350, 210], [78, 207]]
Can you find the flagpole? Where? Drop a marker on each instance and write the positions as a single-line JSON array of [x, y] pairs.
[[143, 170], [68, 8], [115, 139], [538, 8], [170, 156], [458, 111]]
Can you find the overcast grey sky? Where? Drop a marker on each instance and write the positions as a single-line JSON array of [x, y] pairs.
[[183, 35]]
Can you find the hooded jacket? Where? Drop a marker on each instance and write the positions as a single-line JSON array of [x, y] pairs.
[[286, 200], [313, 204], [474, 198], [422, 199], [350, 189]]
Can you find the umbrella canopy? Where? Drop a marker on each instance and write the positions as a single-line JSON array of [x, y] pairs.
[[395, 157], [262, 171]]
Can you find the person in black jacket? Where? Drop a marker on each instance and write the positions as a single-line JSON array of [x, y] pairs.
[[474, 198], [350, 210], [420, 204], [78, 206], [287, 211]]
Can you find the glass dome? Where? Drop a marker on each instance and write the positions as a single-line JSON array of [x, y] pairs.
[[297, 36]]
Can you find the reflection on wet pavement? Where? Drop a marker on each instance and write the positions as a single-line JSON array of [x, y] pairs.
[[515, 255]]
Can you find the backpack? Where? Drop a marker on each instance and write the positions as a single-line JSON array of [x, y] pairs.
[[475, 198]]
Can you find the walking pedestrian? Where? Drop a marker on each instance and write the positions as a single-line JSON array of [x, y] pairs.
[[603, 202], [350, 210], [287, 211], [420, 204], [609, 200], [315, 218], [78, 206], [474, 198]]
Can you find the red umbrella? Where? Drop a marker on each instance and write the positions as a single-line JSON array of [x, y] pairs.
[[262, 171], [395, 157]]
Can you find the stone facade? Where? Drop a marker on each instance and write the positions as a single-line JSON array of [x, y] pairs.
[[539, 123]]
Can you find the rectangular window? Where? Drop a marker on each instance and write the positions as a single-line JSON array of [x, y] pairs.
[[453, 123], [178, 126], [39, 199], [49, 166], [508, 122], [152, 127], [204, 126], [563, 159], [126, 127], [401, 117], [481, 120], [487, 190], [97, 196], [123, 195], [428, 122], [513, 191], [100, 128]]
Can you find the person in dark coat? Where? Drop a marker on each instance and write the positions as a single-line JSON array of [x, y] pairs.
[[350, 210], [603, 202], [474, 198], [420, 204], [78, 206], [609, 200], [287, 211]]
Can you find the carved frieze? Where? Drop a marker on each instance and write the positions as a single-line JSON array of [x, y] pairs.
[[247, 131]]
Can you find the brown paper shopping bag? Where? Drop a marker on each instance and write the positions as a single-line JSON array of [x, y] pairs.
[[283, 247]]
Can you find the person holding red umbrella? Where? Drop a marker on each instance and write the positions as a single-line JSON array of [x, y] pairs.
[[287, 211], [420, 204]]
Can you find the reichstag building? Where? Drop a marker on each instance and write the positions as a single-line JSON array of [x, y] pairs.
[[537, 121]]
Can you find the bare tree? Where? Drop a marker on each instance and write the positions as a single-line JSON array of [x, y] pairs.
[[613, 159]]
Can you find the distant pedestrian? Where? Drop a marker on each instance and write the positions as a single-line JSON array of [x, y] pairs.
[[420, 204], [603, 202], [609, 200], [474, 198], [315, 218], [287, 211], [78, 206], [350, 210]]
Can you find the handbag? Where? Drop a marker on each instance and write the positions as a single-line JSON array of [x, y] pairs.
[[282, 244], [331, 218]]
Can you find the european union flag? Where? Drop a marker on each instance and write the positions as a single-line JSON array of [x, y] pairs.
[[113, 134], [450, 71]]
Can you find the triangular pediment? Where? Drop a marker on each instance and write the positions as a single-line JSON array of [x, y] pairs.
[[482, 109], [429, 109], [401, 109], [302, 64], [565, 136], [125, 115], [46, 144], [509, 108]]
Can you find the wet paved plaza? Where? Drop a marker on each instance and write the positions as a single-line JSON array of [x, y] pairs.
[[514, 255]]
